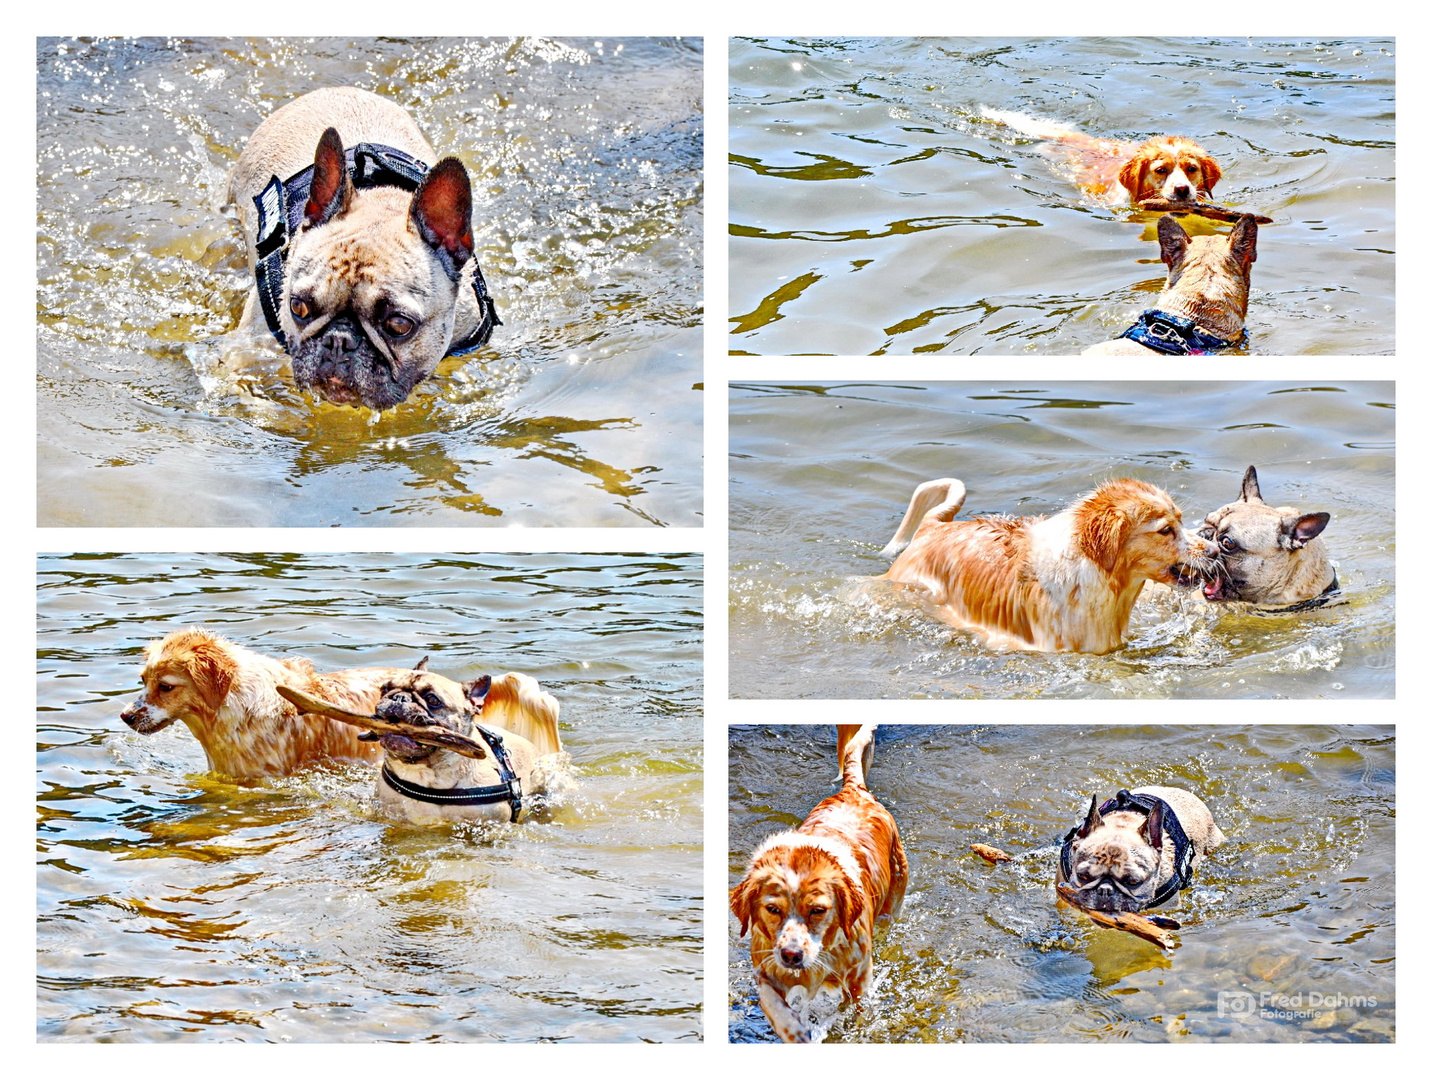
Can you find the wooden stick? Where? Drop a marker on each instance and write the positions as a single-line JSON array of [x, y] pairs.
[[992, 854], [1129, 921], [428, 735], [1203, 209]]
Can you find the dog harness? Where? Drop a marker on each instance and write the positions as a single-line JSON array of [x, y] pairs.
[[280, 214], [508, 791], [1174, 335], [1183, 852]]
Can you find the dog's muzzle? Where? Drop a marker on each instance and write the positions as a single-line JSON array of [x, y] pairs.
[[142, 719], [1105, 895]]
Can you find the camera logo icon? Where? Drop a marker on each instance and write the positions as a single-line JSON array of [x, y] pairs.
[[1236, 1003]]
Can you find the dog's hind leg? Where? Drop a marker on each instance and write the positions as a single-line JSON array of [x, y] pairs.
[[940, 499]]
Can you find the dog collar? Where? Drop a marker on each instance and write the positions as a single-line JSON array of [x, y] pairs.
[[1174, 335], [508, 791], [1183, 852], [280, 213], [1311, 602]]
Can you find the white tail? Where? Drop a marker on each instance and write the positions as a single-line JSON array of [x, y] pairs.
[[855, 746], [1026, 124], [942, 498]]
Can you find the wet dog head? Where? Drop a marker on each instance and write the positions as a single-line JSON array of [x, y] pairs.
[[1266, 554], [1134, 531], [426, 698], [372, 280], [1170, 167], [1115, 858], [794, 899], [186, 676]]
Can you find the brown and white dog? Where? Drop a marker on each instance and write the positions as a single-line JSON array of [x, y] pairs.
[[224, 693], [1166, 167], [1204, 302], [1065, 583], [810, 898]]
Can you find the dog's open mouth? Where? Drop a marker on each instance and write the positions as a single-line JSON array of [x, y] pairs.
[[1220, 586]]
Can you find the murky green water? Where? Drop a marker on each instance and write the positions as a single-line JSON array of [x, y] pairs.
[[1293, 916], [873, 211], [176, 906], [821, 474], [584, 409]]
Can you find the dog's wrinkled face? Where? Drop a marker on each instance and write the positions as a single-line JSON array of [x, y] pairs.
[[185, 678], [372, 279], [1115, 859], [1134, 530], [794, 907], [428, 699], [1262, 550]]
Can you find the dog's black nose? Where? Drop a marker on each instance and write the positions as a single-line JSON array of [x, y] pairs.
[[792, 957], [1182, 192]]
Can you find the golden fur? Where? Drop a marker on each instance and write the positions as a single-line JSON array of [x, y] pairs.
[[1166, 166], [810, 897], [224, 693], [1062, 583]]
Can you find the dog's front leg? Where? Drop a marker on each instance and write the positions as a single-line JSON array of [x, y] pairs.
[[784, 1010]]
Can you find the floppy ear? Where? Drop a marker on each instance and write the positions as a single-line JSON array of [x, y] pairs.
[[743, 900], [212, 672], [1294, 532], [1250, 486], [1093, 821], [1103, 533], [331, 190], [476, 691], [1153, 827], [1211, 173], [1132, 174], [849, 903]]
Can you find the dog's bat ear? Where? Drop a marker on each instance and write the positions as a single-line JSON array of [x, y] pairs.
[[1173, 241], [442, 214], [1153, 827], [331, 190], [1243, 244], [1251, 493], [476, 691], [1297, 531], [421, 665], [1093, 821]]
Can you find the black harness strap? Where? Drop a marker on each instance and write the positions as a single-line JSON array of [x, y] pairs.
[[508, 791], [1183, 852], [1174, 335], [280, 208]]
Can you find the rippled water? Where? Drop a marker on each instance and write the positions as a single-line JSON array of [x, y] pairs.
[[583, 410], [821, 475], [1296, 909], [175, 905], [873, 210]]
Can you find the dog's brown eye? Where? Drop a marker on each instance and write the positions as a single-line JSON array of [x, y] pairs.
[[1228, 544], [398, 326], [773, 909], [299, 307], [1167, 530], [817, 912]]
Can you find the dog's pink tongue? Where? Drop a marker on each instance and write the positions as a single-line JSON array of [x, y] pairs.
[[1211, 587]]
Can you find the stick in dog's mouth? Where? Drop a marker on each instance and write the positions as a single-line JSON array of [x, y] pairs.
[[429, 735]]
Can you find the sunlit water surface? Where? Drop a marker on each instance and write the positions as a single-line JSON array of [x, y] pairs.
[[583, 410], [1294, 914], [177, 905]]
